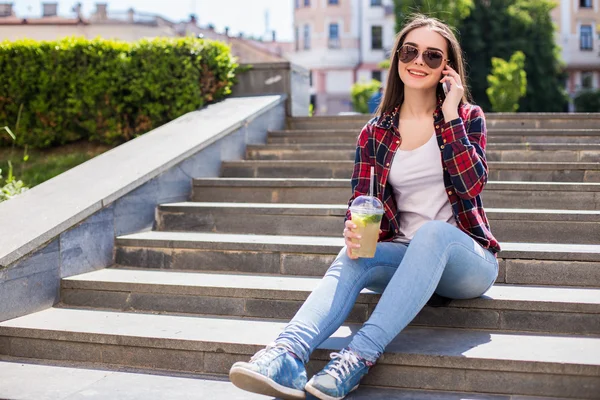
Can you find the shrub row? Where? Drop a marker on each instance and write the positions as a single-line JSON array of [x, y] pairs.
[[56, 92]]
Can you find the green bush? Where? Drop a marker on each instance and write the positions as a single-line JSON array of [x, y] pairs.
[[587, 101], [508, 82], [106, 90], [361, 92], [385, 64]]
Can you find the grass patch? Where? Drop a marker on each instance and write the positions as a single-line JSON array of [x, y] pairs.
[[47, 163]]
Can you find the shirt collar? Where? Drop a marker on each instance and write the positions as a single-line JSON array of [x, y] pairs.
[[390, 119]]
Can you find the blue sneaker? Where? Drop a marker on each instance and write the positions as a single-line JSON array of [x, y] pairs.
[[339, 377], [272, 371]]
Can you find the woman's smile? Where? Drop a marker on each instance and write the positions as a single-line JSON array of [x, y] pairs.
[[417, 73]]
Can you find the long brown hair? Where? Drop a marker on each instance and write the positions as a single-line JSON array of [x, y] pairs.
[[394, 90]]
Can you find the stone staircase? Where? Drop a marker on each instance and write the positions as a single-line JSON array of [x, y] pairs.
[[220, 275]]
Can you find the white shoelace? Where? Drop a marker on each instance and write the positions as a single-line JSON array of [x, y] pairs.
[[344, 361], [269, 347]]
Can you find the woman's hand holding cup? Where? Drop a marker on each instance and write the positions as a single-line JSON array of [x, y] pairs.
[[348, 236]]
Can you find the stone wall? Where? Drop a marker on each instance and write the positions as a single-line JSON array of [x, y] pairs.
[[67, 225], [276, 78]]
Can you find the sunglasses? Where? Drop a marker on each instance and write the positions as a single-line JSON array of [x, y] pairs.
[[432, 58]]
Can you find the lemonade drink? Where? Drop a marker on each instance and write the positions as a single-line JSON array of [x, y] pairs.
[[366, 215]]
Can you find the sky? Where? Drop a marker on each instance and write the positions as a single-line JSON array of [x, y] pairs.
[[246, 16]]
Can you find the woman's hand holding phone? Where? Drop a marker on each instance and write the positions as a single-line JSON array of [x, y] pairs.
[[446, 88], [454, 95]]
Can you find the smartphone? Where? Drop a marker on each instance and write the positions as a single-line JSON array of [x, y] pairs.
[[446, 87]]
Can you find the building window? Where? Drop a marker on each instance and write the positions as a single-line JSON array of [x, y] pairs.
[[333, 2], [585, 3], [306, 37], [334, 36], [376, 37], [297, 37], [376, 75], [585, 37], [376, 3], [297, 3], [587, 79], [6, 9], [306, 3]]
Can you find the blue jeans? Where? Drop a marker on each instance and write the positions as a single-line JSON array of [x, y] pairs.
[[440, 258]]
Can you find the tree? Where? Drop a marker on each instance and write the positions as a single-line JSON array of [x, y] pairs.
[[449, 11], [507, 83], [498, 28]]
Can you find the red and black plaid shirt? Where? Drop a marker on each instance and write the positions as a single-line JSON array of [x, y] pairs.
[[462, 147]]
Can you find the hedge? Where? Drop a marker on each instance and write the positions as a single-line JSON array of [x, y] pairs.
[[588, 100], [105, 90]]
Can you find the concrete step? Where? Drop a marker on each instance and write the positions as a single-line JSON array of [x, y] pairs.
[[349, 136], [299, 152], [353, 122], [56, 382], [493, 121], [544, 195], [508, 225], [542, 120], [490, 146], [26, 379], [345, 140], [583, 137], [503, 308], [500, 152], [520, 263], [512, 132], [419, 358], [505, 171]]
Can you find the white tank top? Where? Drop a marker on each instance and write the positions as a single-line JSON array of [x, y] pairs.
[[417, 179]]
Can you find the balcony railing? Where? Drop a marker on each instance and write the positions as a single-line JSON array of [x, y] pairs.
[[334, 43]]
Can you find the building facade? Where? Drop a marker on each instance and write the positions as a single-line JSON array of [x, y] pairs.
[[578, 35], [341, 42], [124, 25], [128, 25]]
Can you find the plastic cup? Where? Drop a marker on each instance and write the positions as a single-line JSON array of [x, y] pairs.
[[366, 215]]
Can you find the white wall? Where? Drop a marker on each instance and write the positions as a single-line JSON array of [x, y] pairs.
[[127, 32], [43, 32], [364, 75], [574, 56], [376, 16], [356, 4], [339, 82], [326, 58]]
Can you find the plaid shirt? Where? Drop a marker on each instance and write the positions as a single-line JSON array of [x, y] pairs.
[[462, 147]]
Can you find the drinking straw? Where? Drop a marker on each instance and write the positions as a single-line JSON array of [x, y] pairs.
[[371, 185]]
